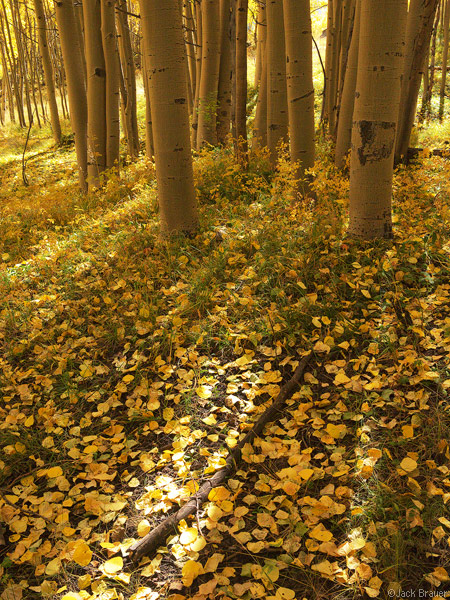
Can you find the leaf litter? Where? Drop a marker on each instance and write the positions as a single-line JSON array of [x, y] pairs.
[[130, 367]]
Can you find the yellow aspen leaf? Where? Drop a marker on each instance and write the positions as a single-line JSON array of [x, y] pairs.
[[290, 488], [341, 378], [168, 414], [198, 544], [128, 378], [241, 511], [444, 521], [204, 392], [255, 547], [336, 431], [372, 592], [86, 371], [321, 534], [190, 571], [82, 554], [408, 464], [441, 574], [188, 536], [364, 571], [324, 567], [226, 505], [52, 568], [54, 472], [84, 581], [143, 528], [408, 431], [113, 565], [265, 520], [213, 562], [271, 571], [219, 493], [214, 512], [72, 596], [29, 421], [306, 474]]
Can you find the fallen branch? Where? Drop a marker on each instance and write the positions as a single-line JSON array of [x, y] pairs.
[[157, 537]]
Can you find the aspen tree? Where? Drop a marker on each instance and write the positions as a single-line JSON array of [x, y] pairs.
[[261, 33], [165, 55], [429, 67], [96, 91], [300, 87], [446, 25], [129, 104], [241, 78], [198, 73], [277, 116], [209, 78], [109, 42], [418, 33], [381, 47], [260, 124], [76, 85], [344, 130], [224, 91]]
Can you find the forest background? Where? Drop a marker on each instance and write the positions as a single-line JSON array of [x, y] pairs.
[[134, 361]]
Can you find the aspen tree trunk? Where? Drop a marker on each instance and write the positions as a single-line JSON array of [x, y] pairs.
[[241, 79], [344, 130], [260, 124], [166, 70], [190, 44], [334, 74], [9, 91], [300, 87], [109, 42], [382, 34], [419, 25], [21, 59], [224, 92], [348, 16], [129, 76], [328, 62], [431, 61], [149, 146], [48, 69], [12, 63], [277, 115], [198, 71], [96, 91], [261, 29], [209, 78], [446, 25], [71, 51]]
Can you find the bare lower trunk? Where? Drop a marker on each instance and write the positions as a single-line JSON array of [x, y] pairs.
[[109, 41], [71, 51], [165, 56], [300, 88], [380, 65]]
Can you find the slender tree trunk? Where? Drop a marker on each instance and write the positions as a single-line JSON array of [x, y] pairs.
[[260, 125], [328, 62], [428, 91], [446, 25], [190, 46], [334, 74], [71, 51], [300, 87], [241, 79], [344, 130], [149, 146], [110, 51], [96, 91], [198, 71], [382, 34], [261, 28], [224, 93], [166, 70], [48, 69], [420, 23], [209, 79], [277, 115], [129, 76]]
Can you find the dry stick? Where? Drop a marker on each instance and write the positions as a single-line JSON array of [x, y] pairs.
[[157, 537]]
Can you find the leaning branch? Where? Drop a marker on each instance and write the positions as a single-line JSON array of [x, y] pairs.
[[157, 537]]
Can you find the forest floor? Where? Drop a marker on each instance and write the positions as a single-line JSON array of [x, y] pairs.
[[130, 366]]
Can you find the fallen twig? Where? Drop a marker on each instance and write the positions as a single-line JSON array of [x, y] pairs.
[[157, 537]]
